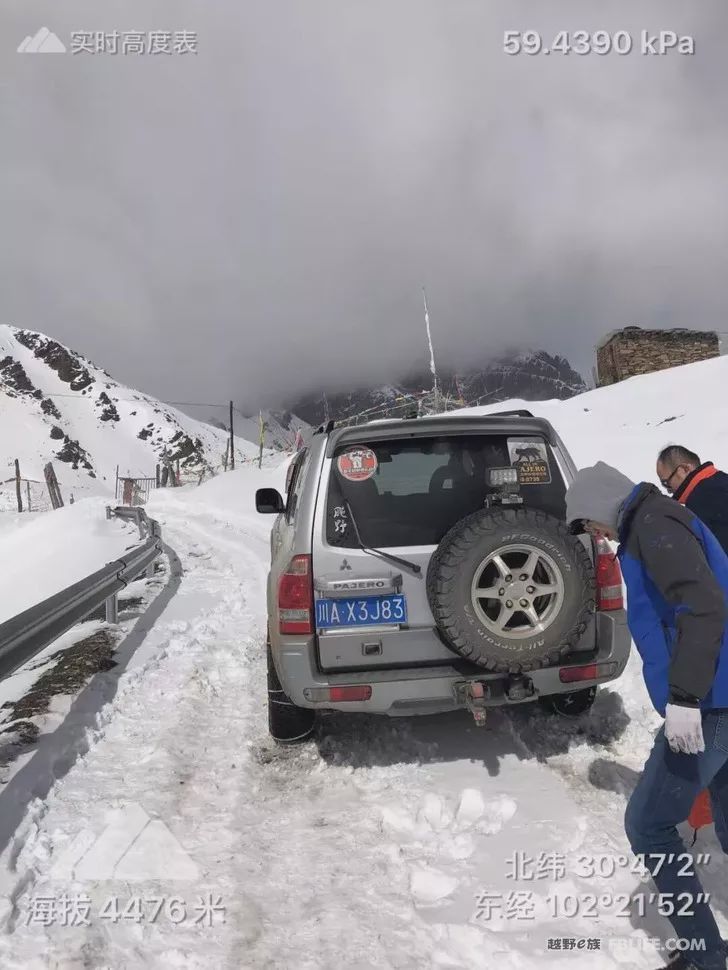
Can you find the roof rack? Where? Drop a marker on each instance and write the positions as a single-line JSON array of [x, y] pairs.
[[325, 428]]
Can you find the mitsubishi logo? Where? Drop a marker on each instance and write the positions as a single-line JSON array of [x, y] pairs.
[[345, 565]]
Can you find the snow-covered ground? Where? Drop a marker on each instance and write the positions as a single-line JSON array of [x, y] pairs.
[[157, 827], [46, 553]]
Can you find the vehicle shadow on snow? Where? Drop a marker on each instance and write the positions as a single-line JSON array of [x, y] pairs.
[[526, 732]]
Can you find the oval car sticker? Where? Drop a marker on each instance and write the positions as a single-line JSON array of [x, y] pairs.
[[357, 464]]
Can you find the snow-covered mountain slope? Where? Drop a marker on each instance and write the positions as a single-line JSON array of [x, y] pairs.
[[55, 405], [628, 423]]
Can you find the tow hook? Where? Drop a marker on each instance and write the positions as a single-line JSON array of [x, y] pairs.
[[475, 695]]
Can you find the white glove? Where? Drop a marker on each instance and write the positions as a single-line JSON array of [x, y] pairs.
[[684, 729]]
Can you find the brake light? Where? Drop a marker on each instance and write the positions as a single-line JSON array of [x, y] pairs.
[[295, 597], [610, 595], [569, 675]]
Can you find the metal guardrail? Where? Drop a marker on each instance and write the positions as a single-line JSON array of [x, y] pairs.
[[26, 634]]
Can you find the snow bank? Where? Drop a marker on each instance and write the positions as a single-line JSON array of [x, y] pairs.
[[228, 501], [628, 423], [55, 550], [235, 491]]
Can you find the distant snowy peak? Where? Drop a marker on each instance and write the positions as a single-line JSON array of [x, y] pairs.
[[57, 405], [530, 375], [533, 375]]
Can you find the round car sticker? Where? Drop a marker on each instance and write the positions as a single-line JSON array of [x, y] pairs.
[[357, 464]]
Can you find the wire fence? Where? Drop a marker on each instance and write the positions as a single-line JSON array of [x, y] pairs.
[[34, 495], [419, 403]]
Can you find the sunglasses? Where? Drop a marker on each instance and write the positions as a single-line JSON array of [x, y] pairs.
[[665, 482]]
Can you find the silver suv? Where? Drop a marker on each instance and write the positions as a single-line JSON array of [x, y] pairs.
[[420, 566]]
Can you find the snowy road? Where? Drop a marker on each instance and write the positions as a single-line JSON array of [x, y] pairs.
[[183, 839]]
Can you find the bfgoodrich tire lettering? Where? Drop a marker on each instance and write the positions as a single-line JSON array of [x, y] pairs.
[[510, 589]]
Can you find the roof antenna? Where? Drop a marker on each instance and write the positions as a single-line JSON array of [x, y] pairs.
[[433, 369]]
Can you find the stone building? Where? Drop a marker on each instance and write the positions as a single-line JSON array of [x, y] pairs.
[[632, 351]]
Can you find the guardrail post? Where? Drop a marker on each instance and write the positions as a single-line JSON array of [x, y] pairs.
[[112, 609]]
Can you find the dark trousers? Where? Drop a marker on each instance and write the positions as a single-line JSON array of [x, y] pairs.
[[662, 799]]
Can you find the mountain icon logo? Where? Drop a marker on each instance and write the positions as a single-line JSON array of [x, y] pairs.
[[44, 42]]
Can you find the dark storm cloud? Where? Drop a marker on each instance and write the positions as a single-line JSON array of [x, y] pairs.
[[261, 218]]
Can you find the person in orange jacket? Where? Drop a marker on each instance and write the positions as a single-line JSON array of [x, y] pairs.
[[698, 485]]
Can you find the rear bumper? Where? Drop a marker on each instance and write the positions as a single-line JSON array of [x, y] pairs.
[[431, 690]]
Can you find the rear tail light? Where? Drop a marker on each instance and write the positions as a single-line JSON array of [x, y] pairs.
[[609, 578], [569, 675], [358, 692], [295, 597]]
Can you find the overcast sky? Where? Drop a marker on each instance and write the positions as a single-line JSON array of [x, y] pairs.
[[259, 219]]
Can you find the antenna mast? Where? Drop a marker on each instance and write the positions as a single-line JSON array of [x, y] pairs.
[[433, 369]]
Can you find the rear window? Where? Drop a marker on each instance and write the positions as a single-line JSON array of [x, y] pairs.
[[410, 492]]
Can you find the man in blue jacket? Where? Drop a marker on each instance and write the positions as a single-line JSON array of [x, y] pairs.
[[676, 574]]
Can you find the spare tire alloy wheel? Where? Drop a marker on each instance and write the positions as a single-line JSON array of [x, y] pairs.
[[517, 590], [510, 589]]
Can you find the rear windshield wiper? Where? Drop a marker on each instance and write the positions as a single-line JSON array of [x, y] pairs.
[[378, 552]]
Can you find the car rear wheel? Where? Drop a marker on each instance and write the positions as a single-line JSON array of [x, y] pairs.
[[573, 704], [287, 723], [511, 589]]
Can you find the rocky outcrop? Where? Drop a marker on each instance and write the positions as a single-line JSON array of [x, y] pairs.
[[109, 411], [75, 455], [66, 364]]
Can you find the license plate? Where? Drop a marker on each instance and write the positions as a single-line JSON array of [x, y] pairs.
[[368, 611]]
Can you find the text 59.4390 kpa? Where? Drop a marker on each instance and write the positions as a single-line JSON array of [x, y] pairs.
[[601, 42]]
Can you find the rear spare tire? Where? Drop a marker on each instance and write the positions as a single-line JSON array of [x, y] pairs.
[[511, 589]]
